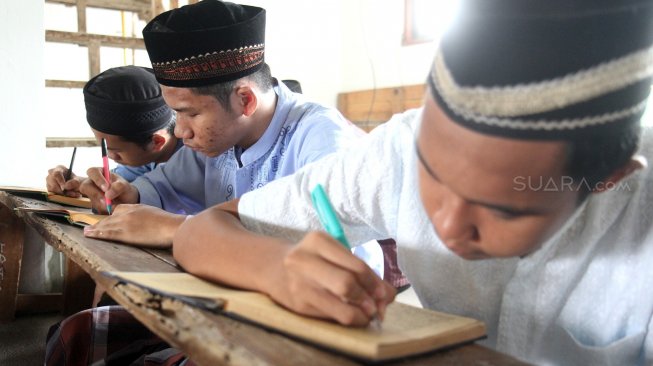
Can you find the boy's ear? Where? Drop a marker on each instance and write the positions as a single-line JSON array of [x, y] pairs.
[[158, 140], [634, 164], [247, 99]]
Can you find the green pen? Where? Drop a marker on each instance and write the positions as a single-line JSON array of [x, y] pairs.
[[328, 216], [329, 220]]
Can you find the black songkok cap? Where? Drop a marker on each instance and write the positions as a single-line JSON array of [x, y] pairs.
[[126, 101], [546, 69], [206, 43]]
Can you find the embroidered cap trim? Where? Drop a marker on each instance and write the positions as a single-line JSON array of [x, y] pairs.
[[555, 125], [211, 64], [532, 98]]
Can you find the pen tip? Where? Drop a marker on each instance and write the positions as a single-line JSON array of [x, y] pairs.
[[375, 324]]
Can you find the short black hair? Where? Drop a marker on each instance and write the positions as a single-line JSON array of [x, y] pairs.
[[594, 158], [144, 139], [222, 91]]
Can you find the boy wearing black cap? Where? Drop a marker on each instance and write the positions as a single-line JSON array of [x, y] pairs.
[[526, 154], [241, 128], [125, 107]]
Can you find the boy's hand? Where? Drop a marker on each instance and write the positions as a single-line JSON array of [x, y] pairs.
[[319, 277], [137, 224], [96, 188], [56, 182]]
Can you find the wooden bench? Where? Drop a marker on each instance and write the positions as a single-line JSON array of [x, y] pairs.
[[208, 338], [369, 108]]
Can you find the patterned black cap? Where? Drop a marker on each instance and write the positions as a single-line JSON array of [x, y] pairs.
[[126, 101], [206, 43], [553, 69]]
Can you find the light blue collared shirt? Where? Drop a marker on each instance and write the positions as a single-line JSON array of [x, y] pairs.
[[300, 132]]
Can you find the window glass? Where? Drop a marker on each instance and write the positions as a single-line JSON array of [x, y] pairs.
[[114, 23], [425, 20], [114, 57], [60, 17], [65, 61]]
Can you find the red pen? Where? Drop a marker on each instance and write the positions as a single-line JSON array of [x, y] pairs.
[[105, 168]]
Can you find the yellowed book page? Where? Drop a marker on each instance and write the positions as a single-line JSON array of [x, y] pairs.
[[406, 330], [84, 217], [74, 217], [71, 201]]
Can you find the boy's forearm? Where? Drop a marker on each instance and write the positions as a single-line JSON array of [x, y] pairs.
[[316, 277], [214, 245]]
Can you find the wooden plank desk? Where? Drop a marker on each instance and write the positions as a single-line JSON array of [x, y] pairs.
[[209, 339]]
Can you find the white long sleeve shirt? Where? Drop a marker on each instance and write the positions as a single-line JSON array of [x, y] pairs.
[[584, 298]]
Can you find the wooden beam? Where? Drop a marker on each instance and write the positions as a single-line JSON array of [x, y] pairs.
[[136, 6], [70, 84], [84, 39], [78, 289], [157, 7], [81, 16], [93, 58], [70, 142], [376, 106]]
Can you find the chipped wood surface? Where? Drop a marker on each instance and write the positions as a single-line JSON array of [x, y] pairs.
[[214, 339], [92, 255]]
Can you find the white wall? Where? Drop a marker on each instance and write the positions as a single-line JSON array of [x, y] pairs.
[[341, 45], [372, 53], [22, 140], [302, 42]]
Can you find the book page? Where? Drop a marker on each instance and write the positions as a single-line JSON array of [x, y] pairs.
[[86, 218], [74, 217]]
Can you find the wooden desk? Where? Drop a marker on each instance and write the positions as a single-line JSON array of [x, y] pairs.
[[208, 338]]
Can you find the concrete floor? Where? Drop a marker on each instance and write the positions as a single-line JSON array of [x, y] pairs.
[[22, 342]]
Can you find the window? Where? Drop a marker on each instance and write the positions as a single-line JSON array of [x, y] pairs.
[[425, 20]]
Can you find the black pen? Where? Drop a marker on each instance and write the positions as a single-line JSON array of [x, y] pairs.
[[69, 173]]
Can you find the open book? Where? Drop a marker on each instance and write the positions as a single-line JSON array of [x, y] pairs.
[[78, 218], [406, 330], [44, 195]]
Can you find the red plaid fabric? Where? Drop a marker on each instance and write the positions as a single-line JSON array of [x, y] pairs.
[[391, 272], [108, 335]]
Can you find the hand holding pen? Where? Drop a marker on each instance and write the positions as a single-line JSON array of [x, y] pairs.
[[105, 170], [331, 224], [61, 180], [97, 188]]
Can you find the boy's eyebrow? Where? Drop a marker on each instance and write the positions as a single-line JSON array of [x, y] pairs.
[[493, 206]]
